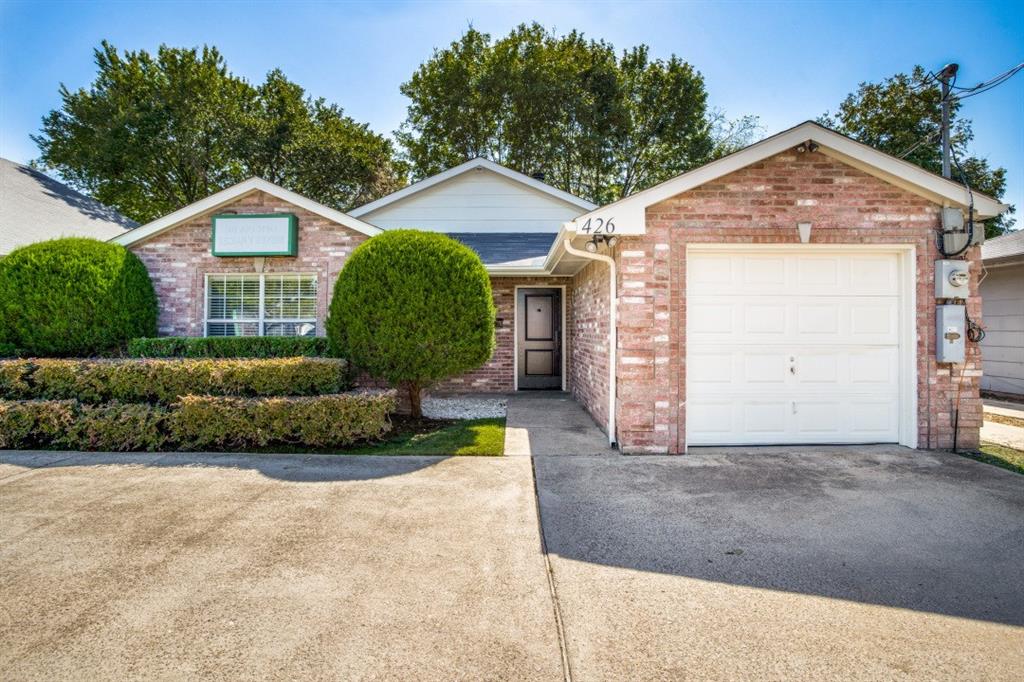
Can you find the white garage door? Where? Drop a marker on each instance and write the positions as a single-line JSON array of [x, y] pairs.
[[787, 347]]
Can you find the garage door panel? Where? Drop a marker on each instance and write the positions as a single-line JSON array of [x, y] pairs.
[[796, 319], [792, 348], [712, 418], [824, 417], [763, 319], [874, 420], [762, 368], [873, 275], [765, 418], [803, 419]]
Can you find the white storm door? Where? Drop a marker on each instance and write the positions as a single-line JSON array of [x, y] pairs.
[[787, 347]]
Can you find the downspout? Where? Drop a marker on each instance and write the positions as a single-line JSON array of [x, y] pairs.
[[613, 303]]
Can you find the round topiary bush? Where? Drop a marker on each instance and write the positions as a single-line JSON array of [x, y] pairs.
[[74, 296], [413, 308]]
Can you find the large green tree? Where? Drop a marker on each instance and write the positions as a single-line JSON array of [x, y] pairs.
[[596, 123], [902, 115], [154, 133]]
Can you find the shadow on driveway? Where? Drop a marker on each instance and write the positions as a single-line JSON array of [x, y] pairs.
[[295, 468], [930, 532]]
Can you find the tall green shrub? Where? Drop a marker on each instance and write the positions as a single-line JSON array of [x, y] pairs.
[[74, 296], [413, 308]]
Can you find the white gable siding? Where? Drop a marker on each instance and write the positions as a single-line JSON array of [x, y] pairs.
[[476, 201]]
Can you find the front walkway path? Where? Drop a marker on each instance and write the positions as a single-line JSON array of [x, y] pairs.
[[551, 423]]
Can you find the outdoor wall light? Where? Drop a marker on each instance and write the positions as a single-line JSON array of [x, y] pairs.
[[804, 229], [595, 243]]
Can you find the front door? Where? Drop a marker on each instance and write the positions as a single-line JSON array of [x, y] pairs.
[[539, 334]]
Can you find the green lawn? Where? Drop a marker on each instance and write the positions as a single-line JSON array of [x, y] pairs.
[[999, 455], [441, 437]]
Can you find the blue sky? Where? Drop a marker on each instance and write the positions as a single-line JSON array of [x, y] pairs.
[[784, 62]]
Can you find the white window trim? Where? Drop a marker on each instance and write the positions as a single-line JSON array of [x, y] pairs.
[[262, 320]]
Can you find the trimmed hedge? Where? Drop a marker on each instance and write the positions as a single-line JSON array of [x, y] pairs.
[[201, 422], [229, 347], [198, 422], [74, 297], [165, 381]]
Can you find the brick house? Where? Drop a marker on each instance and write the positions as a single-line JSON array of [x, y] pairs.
[[782, 294]]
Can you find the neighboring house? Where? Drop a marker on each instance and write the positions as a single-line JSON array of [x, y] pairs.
[[727, 329], [1002, 293], [34, 207]]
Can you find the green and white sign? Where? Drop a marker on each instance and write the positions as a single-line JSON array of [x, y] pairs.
[[271, 234]]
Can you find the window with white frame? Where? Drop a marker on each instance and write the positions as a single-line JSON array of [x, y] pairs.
[[260, 305]]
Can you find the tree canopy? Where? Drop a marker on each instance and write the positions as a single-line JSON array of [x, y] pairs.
[[596, 123], [902, 116], [154, 133]]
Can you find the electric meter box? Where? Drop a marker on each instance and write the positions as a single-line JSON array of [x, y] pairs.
[[952, 278], [951, 328]]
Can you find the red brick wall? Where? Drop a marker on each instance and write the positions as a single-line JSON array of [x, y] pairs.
[[588, 366], [498, 375], [762, 203], [179, 258]]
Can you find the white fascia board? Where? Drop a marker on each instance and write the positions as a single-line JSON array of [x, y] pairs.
[[470, 165], [232, 193], [629, 213], [506, 271]]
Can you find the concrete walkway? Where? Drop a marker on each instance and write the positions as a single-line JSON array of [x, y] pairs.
[[543, 423], [999, 432]]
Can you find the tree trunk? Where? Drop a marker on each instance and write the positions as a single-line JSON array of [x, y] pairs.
[[415, 406]]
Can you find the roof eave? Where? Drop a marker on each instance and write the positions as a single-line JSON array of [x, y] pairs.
[[466, 167], [896, 171], [229, 194]]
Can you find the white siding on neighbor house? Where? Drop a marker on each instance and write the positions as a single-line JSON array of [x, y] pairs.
[[476, 201], [1002, 349]]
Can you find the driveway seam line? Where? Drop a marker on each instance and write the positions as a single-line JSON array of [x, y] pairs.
[[549, 571]]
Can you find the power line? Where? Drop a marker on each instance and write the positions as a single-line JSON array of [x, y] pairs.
[[985, 86]]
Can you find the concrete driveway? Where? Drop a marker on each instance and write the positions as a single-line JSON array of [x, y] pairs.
[[872, 563], [185, 567], [837, 563]]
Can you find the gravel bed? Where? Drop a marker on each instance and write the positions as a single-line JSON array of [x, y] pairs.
[[463, 407]]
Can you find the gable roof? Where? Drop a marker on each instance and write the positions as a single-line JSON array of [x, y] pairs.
[[34, 207], [466, 167], [913, 178], [1009, 245], [228, 195]]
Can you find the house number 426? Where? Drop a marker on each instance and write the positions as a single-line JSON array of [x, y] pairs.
[[598, 226]]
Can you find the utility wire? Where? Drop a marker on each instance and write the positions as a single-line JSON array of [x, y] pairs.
[[916, 145], [978, 89]]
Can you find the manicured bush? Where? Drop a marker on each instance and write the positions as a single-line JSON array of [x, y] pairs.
[[14, 379], [74, 296], [34, 423], [117, 427], [413, 308], [203, 422], [197, 422], [164, 381], [229, 347]]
